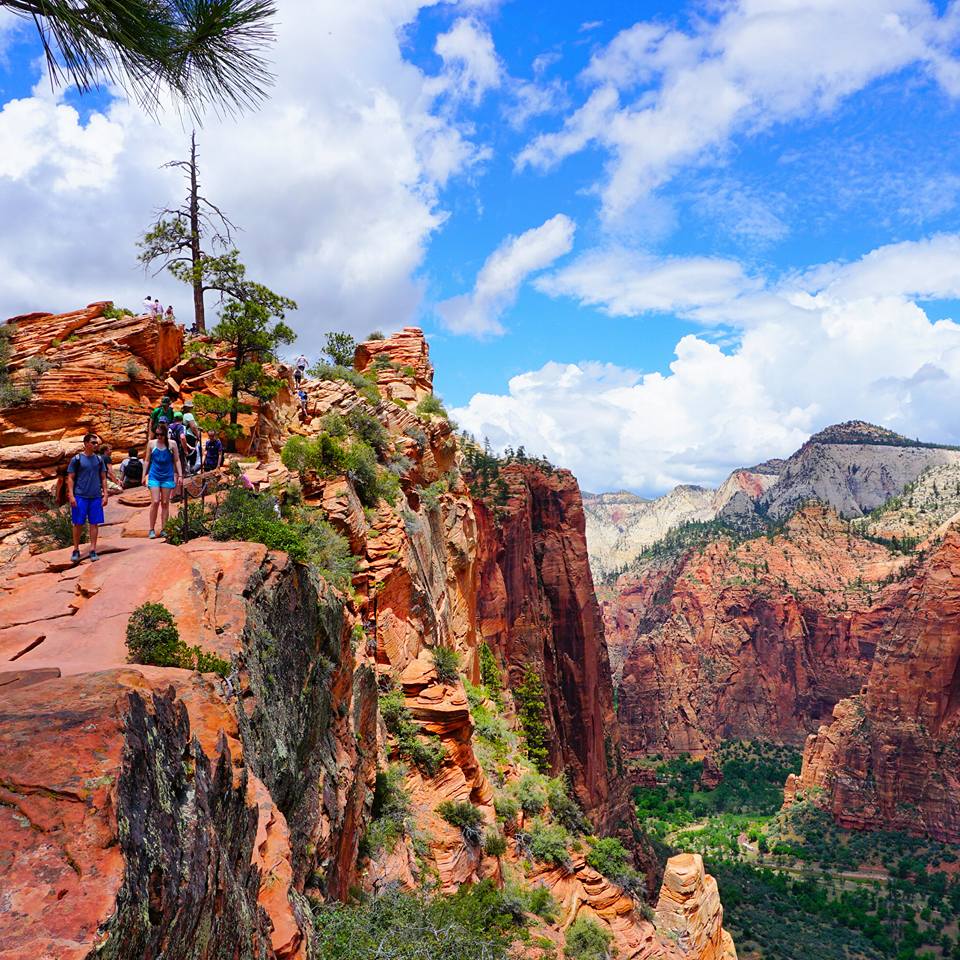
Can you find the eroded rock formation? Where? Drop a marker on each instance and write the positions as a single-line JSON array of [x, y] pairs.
[[756, 640], [890, 758]]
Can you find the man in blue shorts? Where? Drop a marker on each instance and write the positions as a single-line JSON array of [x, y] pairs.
[[87, 492]]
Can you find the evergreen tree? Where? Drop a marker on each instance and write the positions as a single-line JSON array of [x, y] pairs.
[[186, 235], [204, 52], [340, 348]]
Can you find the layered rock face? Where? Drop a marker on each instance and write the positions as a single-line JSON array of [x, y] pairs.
[[690, 911], [537, 608], [890, 758], [759, 640]]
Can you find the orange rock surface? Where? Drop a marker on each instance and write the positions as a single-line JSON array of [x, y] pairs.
[[890, 758], [760, 640]]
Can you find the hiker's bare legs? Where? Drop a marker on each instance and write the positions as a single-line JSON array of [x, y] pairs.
[[94, 533], [77, 531], [164, 506], [154, 506]]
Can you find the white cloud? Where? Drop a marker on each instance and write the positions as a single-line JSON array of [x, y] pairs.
[[841, 342], [627, 283], [335, 180], [664, 98], [471, 66], [498, 282]]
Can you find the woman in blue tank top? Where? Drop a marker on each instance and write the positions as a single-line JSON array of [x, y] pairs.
[[163, 470]]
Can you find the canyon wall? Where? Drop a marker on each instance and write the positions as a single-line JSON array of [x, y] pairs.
[[890, 758], [757, 640]]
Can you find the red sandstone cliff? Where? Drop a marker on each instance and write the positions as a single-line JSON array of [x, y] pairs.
[[757, 640], [890, 758], [119, 780]]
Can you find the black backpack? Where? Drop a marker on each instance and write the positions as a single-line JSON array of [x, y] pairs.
[[133, 472]]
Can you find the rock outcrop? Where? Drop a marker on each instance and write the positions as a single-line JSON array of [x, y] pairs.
[[890, 758], [689, 910], [149, 810], [756, 640]]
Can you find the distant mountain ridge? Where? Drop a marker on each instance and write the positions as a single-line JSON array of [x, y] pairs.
[[853, 467]]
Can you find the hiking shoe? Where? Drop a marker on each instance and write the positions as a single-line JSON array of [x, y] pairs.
[[93, 555], [75, 556], [152, 534]]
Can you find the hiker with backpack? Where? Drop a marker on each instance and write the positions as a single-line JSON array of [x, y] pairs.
[[87, 494], [164, 475], [213, 452], [105, 452], [161, 414], [131, 470]]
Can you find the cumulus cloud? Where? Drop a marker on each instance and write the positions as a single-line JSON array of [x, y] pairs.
[[471, 66], [663, 97], [498, 282], [335, 182], [812, 350]]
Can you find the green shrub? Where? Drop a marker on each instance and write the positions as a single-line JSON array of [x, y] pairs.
[[466, 816], [531, 795], [494, 843], [52, 529], [153, 638], [363, 385], [476, 923], [116, 313], [245, 515], [322, 455], [507, 809], [540, 901], [376, 335], [431, 406], [340, 347], [14, 394], [132, 369], [609, 857], [391, 811], [587, 940], [426, 755], [197, 524], [564, 808], [370, 481], [532, 713], [327, 551], [369, 429], [446, 663], [430, 496], [548, 844]]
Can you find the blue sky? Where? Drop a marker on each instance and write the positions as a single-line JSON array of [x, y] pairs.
[[654, 246]]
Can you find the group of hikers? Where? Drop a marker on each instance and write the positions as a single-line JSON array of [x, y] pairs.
[[174, 445], [152, 307]]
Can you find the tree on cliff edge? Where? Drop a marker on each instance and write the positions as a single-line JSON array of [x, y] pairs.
[[251, 323], [203, 52], [184, 237]]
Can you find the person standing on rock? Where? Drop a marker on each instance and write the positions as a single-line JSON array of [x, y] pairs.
[[161, 414], [163, 477], [87, 494]]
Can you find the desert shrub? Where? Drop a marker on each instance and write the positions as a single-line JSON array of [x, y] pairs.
[[376, 335], [426, 755], [400, 465], [132, 369], [548, 844], [327, 551], [363, 385], [38, 365], [540, 901], [417, 435], [476, 923], [340, 347], [446, 663], [532, 713], [52, 529], [564, 808], [116, 313], [531, 795], [494, 843], [391, 811], [466, 816], [323, 455], [507, 809], [369, 429], [609, 857], [245, 515], [431, 406], [587, 940], [197, 524], [14, 394], [153, 638], [369, 480], [430, 496]]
